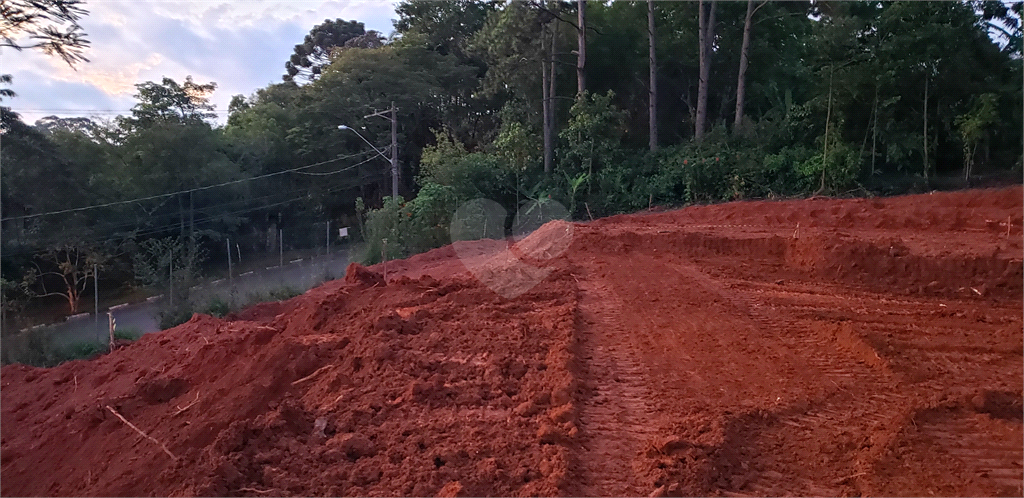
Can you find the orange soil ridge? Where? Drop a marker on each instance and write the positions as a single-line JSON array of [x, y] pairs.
[[812, 347]]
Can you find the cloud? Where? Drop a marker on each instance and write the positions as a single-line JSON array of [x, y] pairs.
[[242, 46]]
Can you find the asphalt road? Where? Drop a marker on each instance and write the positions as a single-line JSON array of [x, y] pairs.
[[301, 275]]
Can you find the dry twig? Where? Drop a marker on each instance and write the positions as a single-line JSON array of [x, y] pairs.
[[186, 407], [254, 490], [314, 374], [147, 436]]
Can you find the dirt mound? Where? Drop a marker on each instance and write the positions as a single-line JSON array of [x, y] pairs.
[[358, 275], [417, 388], [549, 241], [810, 347]]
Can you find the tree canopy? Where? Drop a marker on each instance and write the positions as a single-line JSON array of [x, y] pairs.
[[837, 96]]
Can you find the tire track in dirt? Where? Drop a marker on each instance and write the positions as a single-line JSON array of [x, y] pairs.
[[989, 453], [992, 455], [844, 365], [615, 415]]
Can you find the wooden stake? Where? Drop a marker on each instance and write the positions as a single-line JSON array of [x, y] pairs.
[[147, 436]]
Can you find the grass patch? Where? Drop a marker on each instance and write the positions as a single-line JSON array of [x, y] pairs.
[[40, 348]]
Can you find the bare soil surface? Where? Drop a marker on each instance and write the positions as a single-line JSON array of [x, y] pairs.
[[813, 347]]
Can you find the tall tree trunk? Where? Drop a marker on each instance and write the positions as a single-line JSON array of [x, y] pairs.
[[552, 80], [706, 35], [652, 92], [546, 101], [874, 130], [741, 80], [926, 128], [581, 57], [828, 121]]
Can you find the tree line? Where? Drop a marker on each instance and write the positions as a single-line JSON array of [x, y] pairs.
[[607, 107]]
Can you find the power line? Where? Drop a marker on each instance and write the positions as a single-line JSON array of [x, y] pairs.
[[338, 171], [72, 210], [207, 219], [172, 222]]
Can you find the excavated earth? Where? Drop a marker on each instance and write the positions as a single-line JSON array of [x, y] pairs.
[[811, 347]]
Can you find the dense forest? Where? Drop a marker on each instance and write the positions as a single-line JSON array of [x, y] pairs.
[[605, 107]]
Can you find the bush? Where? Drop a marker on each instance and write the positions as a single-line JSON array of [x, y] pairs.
[[834, 172], [128, 334], [384, 224], [172, 317], [217, 307], [468, 175], [85, 350], [37, 347]]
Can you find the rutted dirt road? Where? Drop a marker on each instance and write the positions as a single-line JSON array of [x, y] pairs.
[[814, 347]]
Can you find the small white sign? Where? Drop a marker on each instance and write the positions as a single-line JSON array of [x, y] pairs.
[[343, 232]]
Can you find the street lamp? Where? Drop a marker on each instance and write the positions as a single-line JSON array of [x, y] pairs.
[[343, 127], [394, 144]]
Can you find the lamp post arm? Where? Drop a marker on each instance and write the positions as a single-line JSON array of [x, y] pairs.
[[375, 149]]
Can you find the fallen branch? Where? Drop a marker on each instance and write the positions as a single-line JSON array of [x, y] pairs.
[[186, 407], [147, 436], [314, 374]]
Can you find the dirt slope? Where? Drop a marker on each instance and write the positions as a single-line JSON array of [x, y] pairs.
[[815, 347]]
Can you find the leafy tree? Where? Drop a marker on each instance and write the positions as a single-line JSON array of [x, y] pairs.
[[592, 137], [310, 56], [419, 81], [974, 127], [169, 101], [72, 265], [49, 25], [443, 26]]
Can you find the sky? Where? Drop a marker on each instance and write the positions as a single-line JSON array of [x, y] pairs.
[[240, 45]]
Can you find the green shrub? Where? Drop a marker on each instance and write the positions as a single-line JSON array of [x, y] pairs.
[[283, 293], [384, 224], [428, 217], [276, 294], [172, 317], [85, 350], [38, 348], [128, 334], [217, 307], [834, 172]]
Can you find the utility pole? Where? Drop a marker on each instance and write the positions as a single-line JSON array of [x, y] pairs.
[[394, 145], [170, 279], [394, 152], [328, 239], [96, 299], [229, 261], [280, 245], [652, 91]]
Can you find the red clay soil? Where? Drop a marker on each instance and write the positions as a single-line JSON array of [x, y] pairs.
[[813, 347]]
